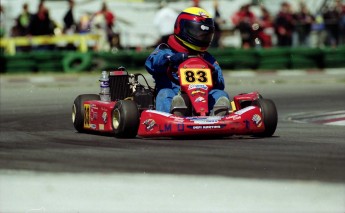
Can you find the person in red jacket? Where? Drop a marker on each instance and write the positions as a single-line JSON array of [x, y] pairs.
[[265, 30], [109, 19], [108, 15], [243, 21]]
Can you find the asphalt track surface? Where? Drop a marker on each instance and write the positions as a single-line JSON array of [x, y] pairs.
[[37, 134]]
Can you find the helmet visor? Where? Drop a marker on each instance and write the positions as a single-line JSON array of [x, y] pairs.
[[199, 32]]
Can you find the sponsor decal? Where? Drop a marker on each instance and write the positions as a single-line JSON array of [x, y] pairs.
[[94, 106], [240, 112], [197, 86], [198, 91], [167, 128], [203, 14], [200, 99], [93, 126], [101, 127], [94, 115], [87, 115], [177, 119], [204, 120], [233, 117], [105, 117], [180, 127], [150, 124], [257, 120], [207, 127]]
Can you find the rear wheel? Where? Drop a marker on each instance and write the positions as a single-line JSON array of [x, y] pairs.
[[78, 110], [270, 116], [125, 119]]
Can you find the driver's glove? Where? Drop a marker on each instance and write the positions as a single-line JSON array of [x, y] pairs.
[[177, 58]]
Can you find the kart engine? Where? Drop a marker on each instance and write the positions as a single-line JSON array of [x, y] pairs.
[[124, 86]]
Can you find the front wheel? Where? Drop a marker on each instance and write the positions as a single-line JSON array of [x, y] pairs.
[[125, 119], [78, 110], [270, 116]]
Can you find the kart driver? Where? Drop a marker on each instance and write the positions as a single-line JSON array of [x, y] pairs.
[[193, 33]]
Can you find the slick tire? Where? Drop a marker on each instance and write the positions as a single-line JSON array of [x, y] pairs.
[[270, 117], [125, 119], [78, 111]]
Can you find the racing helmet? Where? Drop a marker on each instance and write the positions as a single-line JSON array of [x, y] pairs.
[[194, 27]]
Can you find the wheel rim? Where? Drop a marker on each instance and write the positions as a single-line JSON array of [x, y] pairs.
[[74, 112], [116, 119]]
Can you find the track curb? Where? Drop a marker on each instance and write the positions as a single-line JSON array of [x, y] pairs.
[[326, 118]]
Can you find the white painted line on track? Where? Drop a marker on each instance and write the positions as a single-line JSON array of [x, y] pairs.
[[325, 118], [337, 123], [122, 192]]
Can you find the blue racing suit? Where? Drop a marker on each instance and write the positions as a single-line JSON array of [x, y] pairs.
[[157, 64]]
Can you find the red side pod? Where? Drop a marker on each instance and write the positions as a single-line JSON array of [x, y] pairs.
[[238, 99], [98, 115]]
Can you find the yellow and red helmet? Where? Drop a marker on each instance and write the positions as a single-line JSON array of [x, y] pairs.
[[194, 27]]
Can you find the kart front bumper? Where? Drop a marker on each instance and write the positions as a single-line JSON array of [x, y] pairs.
[[247, 121]]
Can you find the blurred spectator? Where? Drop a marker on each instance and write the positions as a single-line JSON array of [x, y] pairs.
[[164, 22], [196, 3], [341, 9], [243, 21], [69, 22], [318, 33], [265, 31], [218, 21], [22, 26], [41, 24], [331, 18], [108, 15], [23, 21], [304, 21], [284, 25], [83, 25], [105, 20], [2, 22], [98, 25]]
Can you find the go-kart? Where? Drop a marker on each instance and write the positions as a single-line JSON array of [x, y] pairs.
[[130, 112]]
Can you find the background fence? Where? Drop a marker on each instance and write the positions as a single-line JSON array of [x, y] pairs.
[[228, 58]]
